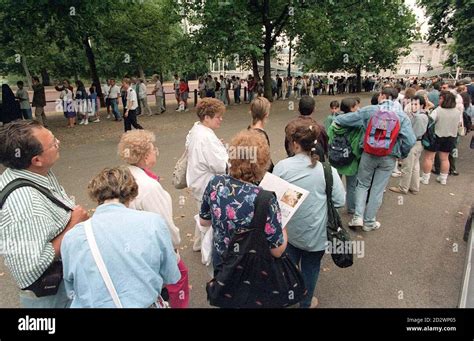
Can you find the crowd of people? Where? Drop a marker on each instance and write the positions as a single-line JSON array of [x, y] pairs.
[[106, 263]]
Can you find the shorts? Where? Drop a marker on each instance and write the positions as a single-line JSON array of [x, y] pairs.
[[69, 114], [107, 102], [445, 144], [184, 96]]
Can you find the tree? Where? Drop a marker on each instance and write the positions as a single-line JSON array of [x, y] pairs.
[[356, 37], [247, 28], [111, 37], [452, 19]]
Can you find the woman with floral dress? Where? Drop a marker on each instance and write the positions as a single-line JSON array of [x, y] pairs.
[[229, 200]]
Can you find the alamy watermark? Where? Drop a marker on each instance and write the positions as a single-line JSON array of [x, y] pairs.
[[242, 153], [355, 247]]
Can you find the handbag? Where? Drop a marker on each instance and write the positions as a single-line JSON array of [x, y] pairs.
[[206, 243], [48, 283], [461, 129], [249, 276], [338, 237], [179, 173]]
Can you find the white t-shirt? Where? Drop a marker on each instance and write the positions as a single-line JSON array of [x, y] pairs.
[[105, 91], [114, 92], [131, 98], [24, 98], [158, 88], [142, 88], [207, 156]]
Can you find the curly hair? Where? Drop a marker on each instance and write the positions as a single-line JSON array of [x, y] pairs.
[[135, 145], [209, 107], [449, 100], [113, 183], [249, 156]]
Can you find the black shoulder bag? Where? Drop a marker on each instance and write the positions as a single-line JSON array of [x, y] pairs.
[[250, 277], [49, 281], [338, 238]]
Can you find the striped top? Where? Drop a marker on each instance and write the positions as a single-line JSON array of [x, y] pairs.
[[28, 223]]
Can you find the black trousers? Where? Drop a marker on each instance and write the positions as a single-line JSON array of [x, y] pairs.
[[131, 120]]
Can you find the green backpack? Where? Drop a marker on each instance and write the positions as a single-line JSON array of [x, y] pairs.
[[429, 138]]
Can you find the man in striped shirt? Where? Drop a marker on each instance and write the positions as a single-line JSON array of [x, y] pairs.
[[31, 226]]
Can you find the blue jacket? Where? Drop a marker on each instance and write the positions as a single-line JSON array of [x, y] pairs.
[[406, 137]]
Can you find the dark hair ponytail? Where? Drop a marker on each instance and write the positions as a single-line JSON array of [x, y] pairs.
[[305, 132]]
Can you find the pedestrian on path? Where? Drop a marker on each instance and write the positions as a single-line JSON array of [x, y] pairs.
[[130, 113]]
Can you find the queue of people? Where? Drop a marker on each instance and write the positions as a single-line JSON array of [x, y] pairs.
[[126, 254]]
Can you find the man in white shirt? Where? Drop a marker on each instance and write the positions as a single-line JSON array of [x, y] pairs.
[[114, 94], [158, 92], [142, 97], [130, 113]]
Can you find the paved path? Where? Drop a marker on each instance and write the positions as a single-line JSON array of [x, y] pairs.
[[416, 259]]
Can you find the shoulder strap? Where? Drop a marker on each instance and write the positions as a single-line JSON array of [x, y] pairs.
[[328, 179], [261, 209], [100, 263], [20, 182]]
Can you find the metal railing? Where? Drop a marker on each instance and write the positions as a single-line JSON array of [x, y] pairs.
[[466, 299]]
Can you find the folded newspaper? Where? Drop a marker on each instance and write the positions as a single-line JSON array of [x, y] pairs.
[[289, 196]]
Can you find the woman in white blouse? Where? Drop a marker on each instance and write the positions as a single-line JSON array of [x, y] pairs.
[[207, 155], [138, 150]]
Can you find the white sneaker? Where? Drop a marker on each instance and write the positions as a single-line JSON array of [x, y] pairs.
[[425, 179], [396, 174], [82, 122], [356, 222], [376, 226], [441, 180], [108, 116], [86, 122], [96, 121]]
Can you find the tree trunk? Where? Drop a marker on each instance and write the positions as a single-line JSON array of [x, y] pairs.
[[45, 77], [93, 69], [27, 71], [358, 79], [256, 74], [141, 72], [267, 76], [267, 68], [289, 60]]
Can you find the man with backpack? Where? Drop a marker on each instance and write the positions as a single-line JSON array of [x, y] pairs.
[[35, 213], [388, 136]]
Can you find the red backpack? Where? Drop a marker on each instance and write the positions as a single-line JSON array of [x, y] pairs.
[[382, 132]]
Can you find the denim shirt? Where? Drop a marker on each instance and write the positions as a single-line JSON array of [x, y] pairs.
[[406, 137], [136, 249]]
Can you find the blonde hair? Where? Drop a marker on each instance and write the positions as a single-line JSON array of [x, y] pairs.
[[209, 107], [259, 107], [113, 183], [135, 145], [244, 168]]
